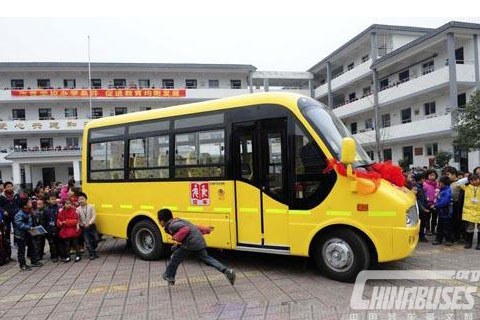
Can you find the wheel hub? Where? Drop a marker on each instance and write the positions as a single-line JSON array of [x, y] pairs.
[[338, 254]]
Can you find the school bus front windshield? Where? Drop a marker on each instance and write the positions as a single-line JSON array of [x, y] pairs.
[[330, 128]]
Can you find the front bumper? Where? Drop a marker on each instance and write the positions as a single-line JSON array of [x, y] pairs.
[[405, 239]]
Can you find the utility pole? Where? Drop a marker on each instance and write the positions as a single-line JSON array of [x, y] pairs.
[[89, 79]]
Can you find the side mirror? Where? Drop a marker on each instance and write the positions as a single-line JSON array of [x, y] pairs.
[[348, 150]]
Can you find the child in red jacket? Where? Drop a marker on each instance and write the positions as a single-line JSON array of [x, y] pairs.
[[69, 230]]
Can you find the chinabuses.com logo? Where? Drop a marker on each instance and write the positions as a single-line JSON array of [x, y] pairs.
[[443, 290]]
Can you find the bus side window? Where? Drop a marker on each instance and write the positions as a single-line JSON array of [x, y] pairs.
[[311, 185]]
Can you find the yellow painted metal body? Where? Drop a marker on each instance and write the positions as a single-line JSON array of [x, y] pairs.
[[117, 204]]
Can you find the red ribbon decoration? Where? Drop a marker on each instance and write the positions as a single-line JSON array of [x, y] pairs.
[[381, 170]]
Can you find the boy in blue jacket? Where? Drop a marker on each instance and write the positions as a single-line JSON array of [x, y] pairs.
[[444, 207]]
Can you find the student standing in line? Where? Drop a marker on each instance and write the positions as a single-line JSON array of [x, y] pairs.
[[23, 224], [86, 214], [69, 230], [50, 224]]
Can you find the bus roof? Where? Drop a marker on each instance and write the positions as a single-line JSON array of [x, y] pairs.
[[205, 106]]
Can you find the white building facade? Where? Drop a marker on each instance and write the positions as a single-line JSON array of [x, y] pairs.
[[394, 78], [45, 106], [399, 80]]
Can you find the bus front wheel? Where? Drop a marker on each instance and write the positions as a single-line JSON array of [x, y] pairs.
[[147, 240], [341, 254]]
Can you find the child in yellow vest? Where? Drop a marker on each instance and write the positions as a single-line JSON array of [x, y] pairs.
[[471, 208]]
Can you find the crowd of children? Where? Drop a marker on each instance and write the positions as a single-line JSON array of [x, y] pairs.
[[449, 206], [58, 215]]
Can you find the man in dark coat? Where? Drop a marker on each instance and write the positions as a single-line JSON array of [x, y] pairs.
[[9, 203], [191, 242]]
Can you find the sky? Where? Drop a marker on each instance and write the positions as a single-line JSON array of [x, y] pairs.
[[269, 39]]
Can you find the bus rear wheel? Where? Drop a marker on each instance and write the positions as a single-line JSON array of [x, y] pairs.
[[147, 240], [341, 254]]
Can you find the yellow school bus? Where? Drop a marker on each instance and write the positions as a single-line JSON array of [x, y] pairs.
[[253, 167]]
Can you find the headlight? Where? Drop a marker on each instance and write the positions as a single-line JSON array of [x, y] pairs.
[[412, 216]]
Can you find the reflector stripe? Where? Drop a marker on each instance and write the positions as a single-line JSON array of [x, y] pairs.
[[146, 207], [339, 213], [382, 213], [126, 206], [222, 210], [107, 206], [195, 209], [249, 210], [299, 211], [170, 207], [276, 211]]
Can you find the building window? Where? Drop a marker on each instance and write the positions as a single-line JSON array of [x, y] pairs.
[[69, 83], [418, 151], [43, 83], [119, 83], [428, 67], [145, 108], [72, 141], [429, 108], [387, 154], [365, 58], [149, 158], [20, 144], [70, 171], [369, 124], [18, 114], [432, 149], [46, 143], [408, 154], [17, 83], [106, 160], [120, 110], [213, 83], [404, 76], [370, 154], [191, 83], [236, 84], [45, 114], [352, 96], [459, 55], [144, 83], [200, 154], [406, 115], [353, 128], [350, 66], [168, 84], [97, 112], [367, 91], [386, 120], [96, 83], [383, 84], [462, 100], [71, 113]]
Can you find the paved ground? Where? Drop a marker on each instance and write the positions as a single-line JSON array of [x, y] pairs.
[[119, 286]]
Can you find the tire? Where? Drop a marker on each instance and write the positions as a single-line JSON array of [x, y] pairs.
[[341, 254], [147, 241]]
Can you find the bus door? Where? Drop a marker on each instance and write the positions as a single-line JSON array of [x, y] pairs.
[[260, 180]]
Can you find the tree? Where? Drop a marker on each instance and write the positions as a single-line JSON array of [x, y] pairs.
[[404, 164], [468, 124], [442, 159]]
